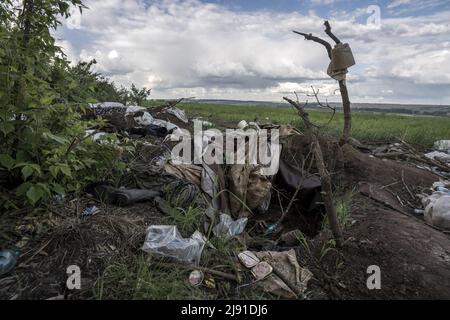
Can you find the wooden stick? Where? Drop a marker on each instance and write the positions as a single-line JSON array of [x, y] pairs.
[[207, 270], [327, 190]]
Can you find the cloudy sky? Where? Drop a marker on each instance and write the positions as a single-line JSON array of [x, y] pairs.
[[244, 49]]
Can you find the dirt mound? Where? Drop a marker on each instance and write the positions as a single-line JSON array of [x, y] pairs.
[[363, 167], [414, 258]]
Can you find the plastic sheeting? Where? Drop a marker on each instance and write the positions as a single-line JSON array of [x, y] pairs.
[[180, 114], [166, 241], [228, 228], [437, 206]]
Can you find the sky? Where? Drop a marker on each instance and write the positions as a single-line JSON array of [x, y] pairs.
[[246, 50]]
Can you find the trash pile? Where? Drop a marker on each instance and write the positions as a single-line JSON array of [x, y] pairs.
[[437, 205], [264, 211], [231, 196]]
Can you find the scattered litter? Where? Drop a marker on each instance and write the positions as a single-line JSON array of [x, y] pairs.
[[209, 282], [167, 241], [165, 124], [145, 119], [196, 278], [180, 114], [291, 238], [437, 205], [248, 259], [272, 228], [134, 109], [227, 227], [262, 270], [90, 211], [442, 145], [8, 259], [107, 108], [440, 156]]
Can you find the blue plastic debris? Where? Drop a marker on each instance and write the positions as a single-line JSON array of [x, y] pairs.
[[90, 211], [8, 259]]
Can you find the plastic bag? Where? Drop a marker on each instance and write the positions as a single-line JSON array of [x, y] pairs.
[[180, 114], [167, 241], [227, 227]]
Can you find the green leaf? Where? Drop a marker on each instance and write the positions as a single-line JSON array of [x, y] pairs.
[[34, 194], [23, 188], [27, 171], [58, 189], [66, 171], [54, 171], [56, 138], [7, 161], [7, 127]]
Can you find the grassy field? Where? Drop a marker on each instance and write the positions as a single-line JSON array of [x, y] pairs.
[[367, 127]]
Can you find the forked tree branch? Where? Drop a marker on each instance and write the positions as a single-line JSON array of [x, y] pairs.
[[330, 34], [326, 44]]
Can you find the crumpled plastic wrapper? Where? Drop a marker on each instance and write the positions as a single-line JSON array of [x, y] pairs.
[[166, 241]]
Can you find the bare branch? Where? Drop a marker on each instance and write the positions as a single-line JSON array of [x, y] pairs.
[[327, 190], [330, 34], [326, 44], [327, 106]]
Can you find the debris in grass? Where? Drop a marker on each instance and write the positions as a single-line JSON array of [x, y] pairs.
[[90, 211], [167, 241], [8, 259], [228, 228], [196, 278]]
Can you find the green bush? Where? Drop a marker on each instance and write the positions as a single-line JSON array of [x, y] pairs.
[[44, 150]]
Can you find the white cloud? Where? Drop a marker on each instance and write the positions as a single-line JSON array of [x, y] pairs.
[[397, 3], [189, 48]]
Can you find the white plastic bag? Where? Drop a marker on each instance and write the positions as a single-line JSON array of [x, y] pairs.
[[228, 228], [167, 241]]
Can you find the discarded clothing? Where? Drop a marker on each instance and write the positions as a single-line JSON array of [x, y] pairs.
[[150, 130], [289, 178], [121, 197], [288, 279], [187, 172], [166, 241], [182, 194]]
